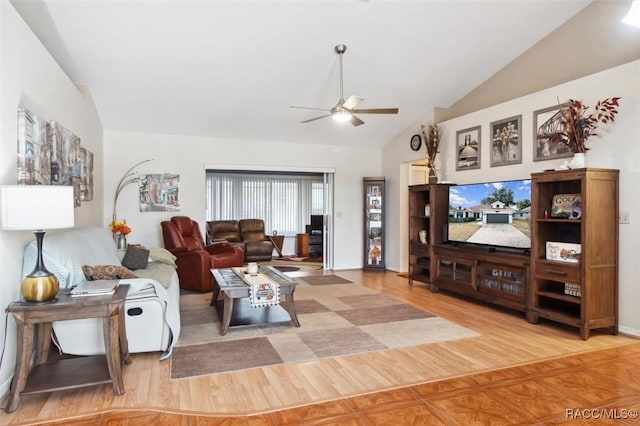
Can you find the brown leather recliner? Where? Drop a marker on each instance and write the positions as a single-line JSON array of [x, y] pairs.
[[246, 233], [256, 244], [183, 238]]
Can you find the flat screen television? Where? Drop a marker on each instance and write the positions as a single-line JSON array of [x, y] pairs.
[[491, 214]]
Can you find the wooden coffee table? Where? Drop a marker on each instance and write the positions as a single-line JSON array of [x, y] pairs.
[[236, 310]]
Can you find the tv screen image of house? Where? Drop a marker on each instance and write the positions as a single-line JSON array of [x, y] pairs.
[[495, 214]]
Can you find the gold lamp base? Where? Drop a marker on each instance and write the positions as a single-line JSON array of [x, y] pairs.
[[39, 288]]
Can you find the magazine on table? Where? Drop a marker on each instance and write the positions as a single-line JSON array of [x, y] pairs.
[[95, 288]]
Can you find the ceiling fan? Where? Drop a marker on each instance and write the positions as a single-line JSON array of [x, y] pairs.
[[345, 110]]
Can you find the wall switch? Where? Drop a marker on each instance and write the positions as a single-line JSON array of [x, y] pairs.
[[623, 218]]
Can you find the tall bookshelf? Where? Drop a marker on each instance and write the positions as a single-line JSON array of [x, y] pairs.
[[428, 216], [574, 259]]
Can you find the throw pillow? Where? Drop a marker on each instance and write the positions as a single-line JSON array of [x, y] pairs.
[[135, 258], [107, 272], [159, 254]]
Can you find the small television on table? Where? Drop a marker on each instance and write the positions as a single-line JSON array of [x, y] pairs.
[[495, 215]]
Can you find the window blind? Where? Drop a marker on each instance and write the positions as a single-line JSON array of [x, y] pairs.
[[284, 201]]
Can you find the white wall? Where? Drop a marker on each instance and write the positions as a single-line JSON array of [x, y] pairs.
[[616, 147], [187, 156], [29, 77]]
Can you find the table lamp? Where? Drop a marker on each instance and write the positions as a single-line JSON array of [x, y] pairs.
[[36, 208]]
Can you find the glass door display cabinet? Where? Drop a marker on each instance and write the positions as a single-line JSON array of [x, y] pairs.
[[374, 223]]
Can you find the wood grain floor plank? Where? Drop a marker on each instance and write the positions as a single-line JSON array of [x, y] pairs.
[[505, 340]]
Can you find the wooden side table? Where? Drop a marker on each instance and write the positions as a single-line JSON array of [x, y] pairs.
[[278, 243], [302, 245], [35, 319]]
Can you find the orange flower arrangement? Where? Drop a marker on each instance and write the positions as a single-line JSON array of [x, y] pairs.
[[120, 227]]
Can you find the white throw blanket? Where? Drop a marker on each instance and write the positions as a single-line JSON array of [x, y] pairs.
[[64, 254]]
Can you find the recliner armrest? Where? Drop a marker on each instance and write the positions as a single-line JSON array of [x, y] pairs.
[[178, 250]]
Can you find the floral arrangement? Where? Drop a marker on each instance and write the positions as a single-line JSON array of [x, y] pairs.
[[431, 134], [120, 227], [578, 126]]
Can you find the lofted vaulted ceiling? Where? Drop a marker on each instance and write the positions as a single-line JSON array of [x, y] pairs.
[[231, 68]]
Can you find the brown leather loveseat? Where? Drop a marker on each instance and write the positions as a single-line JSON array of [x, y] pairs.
[[248, 234], [183, 238]]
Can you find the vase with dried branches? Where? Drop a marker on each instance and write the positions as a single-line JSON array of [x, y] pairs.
[[431, 133], [578, 126]]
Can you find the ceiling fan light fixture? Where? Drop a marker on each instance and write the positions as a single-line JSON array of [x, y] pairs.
[[342, 116]]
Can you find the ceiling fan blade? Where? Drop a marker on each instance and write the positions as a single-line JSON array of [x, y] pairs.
[[352, 102], [376, 111], [355, 121], [317, 109], [316, 118]]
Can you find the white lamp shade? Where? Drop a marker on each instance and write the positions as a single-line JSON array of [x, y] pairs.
[[35, 207]]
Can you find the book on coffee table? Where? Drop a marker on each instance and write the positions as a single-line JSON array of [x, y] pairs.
[[95, 288]]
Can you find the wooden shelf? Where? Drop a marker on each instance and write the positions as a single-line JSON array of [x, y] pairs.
[[559, 296], [437, 197], [597, 233], [68, 373]]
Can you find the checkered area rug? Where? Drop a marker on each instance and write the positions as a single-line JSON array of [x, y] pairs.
[[337, 317]]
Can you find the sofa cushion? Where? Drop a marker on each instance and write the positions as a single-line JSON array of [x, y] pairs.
[[252, 230], [224, 230], [107, 272], [135, 258], [161, 255]]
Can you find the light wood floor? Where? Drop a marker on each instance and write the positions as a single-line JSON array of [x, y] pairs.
[[506, 340]]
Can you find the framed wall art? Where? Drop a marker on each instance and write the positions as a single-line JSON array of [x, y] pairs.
[[506, 141], [159, 192], [468, 148], [547, 122]]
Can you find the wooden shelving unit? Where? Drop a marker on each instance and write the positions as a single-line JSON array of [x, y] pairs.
[[595, 274], [428, 212], [493, 277]]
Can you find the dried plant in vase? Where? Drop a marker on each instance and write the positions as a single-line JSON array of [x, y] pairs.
[[578, 127], [431, 133]]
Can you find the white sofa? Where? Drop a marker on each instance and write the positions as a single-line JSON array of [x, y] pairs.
[[152, 307]]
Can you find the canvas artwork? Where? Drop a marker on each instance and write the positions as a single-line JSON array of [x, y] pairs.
[[506, 141], [66, 166], [34, 151], [159, 193], [49, 154], [86, 175]]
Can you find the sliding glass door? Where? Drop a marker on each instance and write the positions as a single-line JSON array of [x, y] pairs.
[[286, 201]]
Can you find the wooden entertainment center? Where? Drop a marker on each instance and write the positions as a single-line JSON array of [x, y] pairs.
[[581, 292]]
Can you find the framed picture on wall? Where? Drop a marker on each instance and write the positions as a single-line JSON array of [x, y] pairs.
[[546, 122], [468, 148], [506, 141]]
